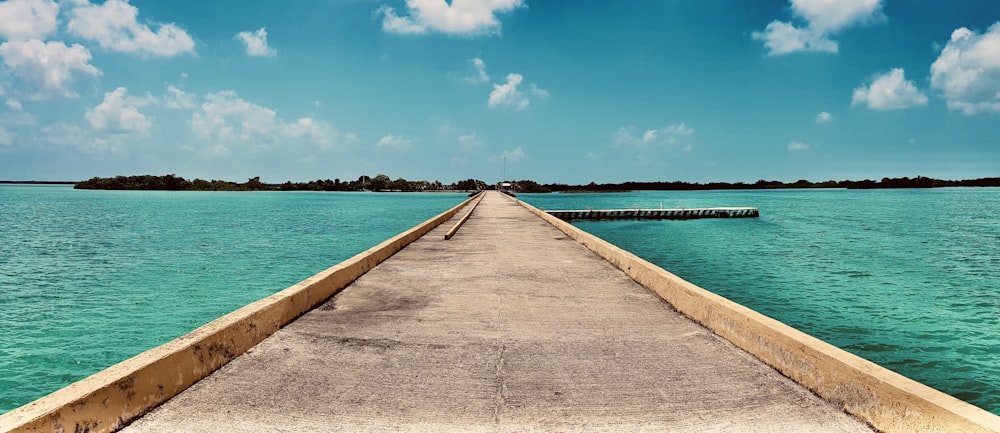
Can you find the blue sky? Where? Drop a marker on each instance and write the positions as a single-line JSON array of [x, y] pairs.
[[554, 91]]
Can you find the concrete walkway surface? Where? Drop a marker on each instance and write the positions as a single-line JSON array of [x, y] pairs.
[[510, 326]]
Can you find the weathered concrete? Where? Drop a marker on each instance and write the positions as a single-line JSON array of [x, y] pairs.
[[509, 326]]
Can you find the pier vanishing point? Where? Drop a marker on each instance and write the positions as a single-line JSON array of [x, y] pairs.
[[513, 321]]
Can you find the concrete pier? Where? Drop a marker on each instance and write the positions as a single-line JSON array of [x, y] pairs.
[[508, 326]]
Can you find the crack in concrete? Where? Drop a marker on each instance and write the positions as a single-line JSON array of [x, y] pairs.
[[500, 398]]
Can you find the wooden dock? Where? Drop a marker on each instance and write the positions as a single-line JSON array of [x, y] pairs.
[[656, 214]]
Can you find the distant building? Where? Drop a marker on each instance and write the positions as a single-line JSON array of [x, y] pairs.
[[506, 188]]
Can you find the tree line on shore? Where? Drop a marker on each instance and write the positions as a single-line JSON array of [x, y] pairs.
[[172, 182], [383, 182], [902, 182]]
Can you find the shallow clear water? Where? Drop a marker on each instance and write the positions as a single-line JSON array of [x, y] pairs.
[[90, 278], [909, 279]]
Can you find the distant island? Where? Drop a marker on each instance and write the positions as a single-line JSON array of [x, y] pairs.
[[171, 182], [383, 182]]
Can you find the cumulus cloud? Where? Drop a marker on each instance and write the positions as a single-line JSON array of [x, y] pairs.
[[479, 74], [15, 105], [28, 19], [256, 43], [508, 96], [823, 18], [119, 113], [178, 99], [824, 117], [113, 25], [47, 68], [463, 17], [226, 119], [890, 91], [831, 16], [629, 136], [967, 72], [784, 38], [320, 133], [393, 142]]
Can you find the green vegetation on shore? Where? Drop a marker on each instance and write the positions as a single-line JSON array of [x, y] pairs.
[[382, 182], [171, 182], [904, 182]]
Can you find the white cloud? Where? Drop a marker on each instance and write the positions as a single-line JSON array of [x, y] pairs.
[[393, 142], [28, 19], [113, 26], [890, 91], [823, 19], [15, 105], [467, 17], [681, 129], [256, 43], [47, 69], [119, 114], [798, 145], [967, 72], [824, 117], [628, 136], [317, 132], [178, 99], [508, 96], [538, 92], [226, 119], [829, 16], [479, 71], [784, 38]]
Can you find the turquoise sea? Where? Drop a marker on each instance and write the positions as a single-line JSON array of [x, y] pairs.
[[91, 278], [909, 279]]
